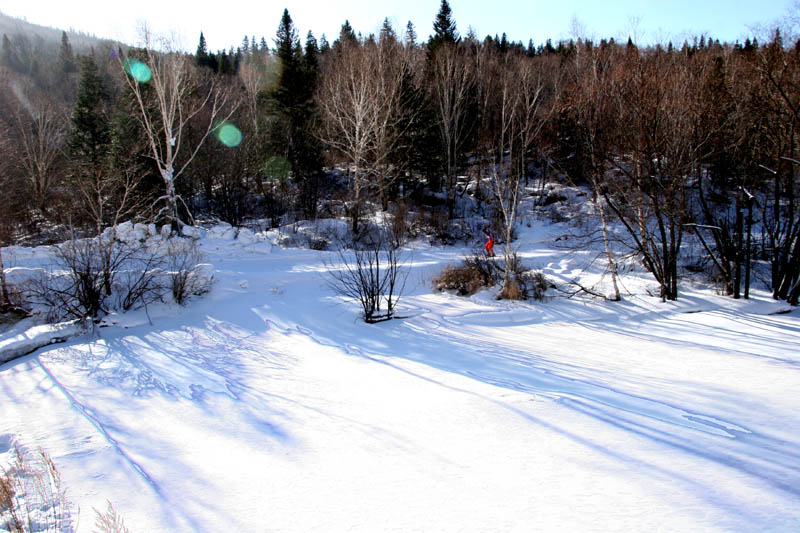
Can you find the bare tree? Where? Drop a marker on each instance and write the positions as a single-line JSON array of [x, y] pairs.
[[451, 89], [255, 74], [396, 112], [348, 97], [169, 72], [41, 130], [372, 274], [660, 152], [780, 70], [519, 105], [367, 109], [589, 103]]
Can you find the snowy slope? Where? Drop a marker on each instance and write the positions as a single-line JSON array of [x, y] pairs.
[[268, 405]]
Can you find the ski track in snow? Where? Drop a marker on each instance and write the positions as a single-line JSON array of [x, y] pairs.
[[606, 403], [85, 413]]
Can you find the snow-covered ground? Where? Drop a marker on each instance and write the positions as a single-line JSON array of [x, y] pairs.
[[267, 405]]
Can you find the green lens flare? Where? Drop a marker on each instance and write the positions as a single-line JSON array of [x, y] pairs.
[[229, 135], [138, 70], [277, 169]]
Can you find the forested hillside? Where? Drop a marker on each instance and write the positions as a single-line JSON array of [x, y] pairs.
[[674, 141]]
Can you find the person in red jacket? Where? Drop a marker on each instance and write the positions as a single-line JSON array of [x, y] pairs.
[[489, 243]]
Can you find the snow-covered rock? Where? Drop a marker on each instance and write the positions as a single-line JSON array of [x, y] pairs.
[[193, 232], [223, 231], [246, 236]]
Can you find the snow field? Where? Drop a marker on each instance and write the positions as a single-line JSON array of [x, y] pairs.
[[267, 405]]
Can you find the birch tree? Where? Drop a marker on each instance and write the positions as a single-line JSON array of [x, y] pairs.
[[589, 103], [169, 72], [346, 99], [452, 86], [520, 96]]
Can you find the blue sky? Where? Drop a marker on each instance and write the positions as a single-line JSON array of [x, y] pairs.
[[224, 24]]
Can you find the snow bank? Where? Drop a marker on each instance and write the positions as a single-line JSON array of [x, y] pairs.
[[222, 231], [193, 232], [246, 236], [36, 337]]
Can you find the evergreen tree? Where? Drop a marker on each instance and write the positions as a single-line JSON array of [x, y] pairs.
[[65, 55], [324, 45], [411, 35], [387, 31], [223, 62], [202, 57], [90, 140], [531, 50], [287, 48], [346, 36], [128, 152], [293, 104], [444, 28], [311, 60], [90, 134]]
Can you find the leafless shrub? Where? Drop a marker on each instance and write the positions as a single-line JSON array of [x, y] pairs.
[[526, 286], [399, 224], [462, 279], [186, 278], [372, 273], [140, 282], [91, 277], [74, 286], [32, 497]]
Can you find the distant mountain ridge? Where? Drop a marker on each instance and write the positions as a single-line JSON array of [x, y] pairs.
[[81, 42]]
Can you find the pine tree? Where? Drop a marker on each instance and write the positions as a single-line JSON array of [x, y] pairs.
[[387, 31], [287, 45], [411, 35], [66, 57], [346, 36], [202, 58], [293, 104], [444, 28], [90, 139], [311, 60], [90, 136]]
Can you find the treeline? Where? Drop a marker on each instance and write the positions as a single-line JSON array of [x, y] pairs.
[[676, 142]]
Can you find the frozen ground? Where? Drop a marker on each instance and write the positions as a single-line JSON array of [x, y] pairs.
[[267, 405]]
